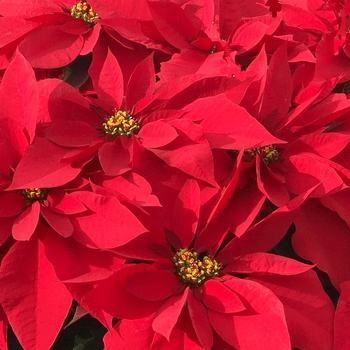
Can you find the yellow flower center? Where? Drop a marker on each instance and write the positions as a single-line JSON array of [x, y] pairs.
[[268, 153], [84, 11], [120, 124], [192, 269], [34, 194]]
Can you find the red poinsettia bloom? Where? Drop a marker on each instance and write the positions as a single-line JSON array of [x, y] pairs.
[[191, 282]]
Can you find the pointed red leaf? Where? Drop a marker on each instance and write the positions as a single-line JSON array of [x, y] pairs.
[[251, 330], [42, 51], [11, 204], [63, 203], [34, 300], [41, 166], [26, 223], [141, 83], [154, 285], [173, 23], [109, 225], [262, 263], [200, 321], [157, 134], [342, 317], [106, 75], [220, 298], [112, 297], [169, 313], [274, 190], [114, 158], [339, 202], [60, 223], [193, 159], [306, 170], [71, 133], [264, 235], [19, 95], [234, 121], [328, 246], [186, 212], [307, 307], [278, 88]]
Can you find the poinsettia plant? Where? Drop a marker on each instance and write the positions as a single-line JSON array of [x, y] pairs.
[[174, 174]]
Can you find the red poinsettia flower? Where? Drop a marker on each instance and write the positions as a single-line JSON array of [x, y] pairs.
[[137, 123], [192, 282]]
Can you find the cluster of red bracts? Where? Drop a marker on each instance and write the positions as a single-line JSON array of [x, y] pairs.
[[155, 154]]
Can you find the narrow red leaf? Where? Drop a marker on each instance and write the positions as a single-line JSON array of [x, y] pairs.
[[26, 223], [19, 95], [262, 263], [169, 313], [342, 317], [278, 88], [29, 290], [200, 321], [141, 83], [186, 212], [106, 75], [173, 23]]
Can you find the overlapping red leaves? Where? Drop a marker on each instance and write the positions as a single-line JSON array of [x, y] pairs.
[[179, 169]]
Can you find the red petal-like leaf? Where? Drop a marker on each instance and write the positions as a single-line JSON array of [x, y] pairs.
[[200, 321], [41, 167], [26, 223], [328, 246], [110, 225], [157, 134], [154, 285], [186, 212], [49, 47], [169, 313], [71, 133], [249, 330], [234, 121], [64, 203], [193, 159], [220, 298], [114, 158], [306, 170], [29, 290], [264, 235], [173, 23], [106, 75], [307, 307], [11, 204], [342, 317], [19, 95], [262, 263], [112, 297], [141, 83], [60, 223], [278, 89]]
